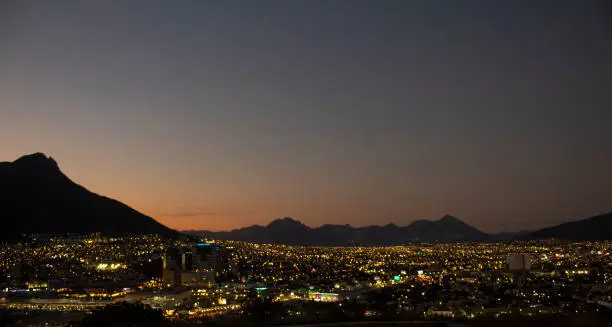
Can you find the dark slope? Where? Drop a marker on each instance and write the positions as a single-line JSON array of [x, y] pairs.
[[293, 232], [590, 229], [36, 197], [446, 229]]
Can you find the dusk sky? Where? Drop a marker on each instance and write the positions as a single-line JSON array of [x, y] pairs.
[[222, 114]]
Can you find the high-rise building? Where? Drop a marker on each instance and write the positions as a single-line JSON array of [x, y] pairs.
[[206, 260], [519, 265], [171, 273], [518, 262], [195, 265], [171, 276]]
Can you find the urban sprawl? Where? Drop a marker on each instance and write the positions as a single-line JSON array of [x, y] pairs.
[[203, 280]]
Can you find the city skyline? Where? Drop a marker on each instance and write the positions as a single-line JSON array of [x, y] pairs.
[[218, 116]]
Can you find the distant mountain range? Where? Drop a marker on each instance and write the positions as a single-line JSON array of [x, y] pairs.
[[596, 228], [290, 231], [36, 197], [447, 229]]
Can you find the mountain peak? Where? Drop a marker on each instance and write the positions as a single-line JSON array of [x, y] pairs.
[[37, 156], [449, 218], [285, 221], [36, 197], [37, 161]]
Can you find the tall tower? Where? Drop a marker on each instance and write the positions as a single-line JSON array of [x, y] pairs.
[[171, 273], [519, 265]]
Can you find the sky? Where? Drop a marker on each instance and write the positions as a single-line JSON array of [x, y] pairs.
[[222, 114]]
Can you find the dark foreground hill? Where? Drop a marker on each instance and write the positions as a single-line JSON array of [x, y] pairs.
[[591, 229], [293, 232], [36, 197]]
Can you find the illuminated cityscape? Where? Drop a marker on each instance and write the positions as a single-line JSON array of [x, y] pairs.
[[257, 163], [206, 280]]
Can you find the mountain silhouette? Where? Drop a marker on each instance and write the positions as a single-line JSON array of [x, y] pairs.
[[444, 230], [290, 231], [595, 228], [36, 197]]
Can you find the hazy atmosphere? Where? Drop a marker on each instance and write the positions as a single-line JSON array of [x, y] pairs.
[[222, 114]]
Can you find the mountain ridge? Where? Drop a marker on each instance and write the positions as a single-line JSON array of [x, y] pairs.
[[37, 197], [594, 228], [290, 231]]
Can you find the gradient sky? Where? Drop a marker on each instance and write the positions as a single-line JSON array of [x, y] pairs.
[[222, 114]]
